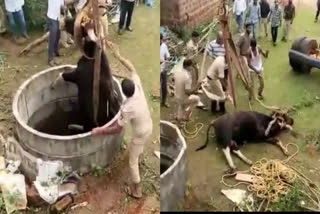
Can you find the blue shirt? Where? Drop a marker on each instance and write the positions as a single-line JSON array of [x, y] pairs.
[[253, 13]]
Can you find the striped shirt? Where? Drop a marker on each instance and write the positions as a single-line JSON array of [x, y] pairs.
[[214, 49], [275, 16]]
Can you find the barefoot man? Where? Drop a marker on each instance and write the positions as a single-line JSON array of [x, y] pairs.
[[134, 110]]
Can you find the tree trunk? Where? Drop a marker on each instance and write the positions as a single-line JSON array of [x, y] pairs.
[[34, 43]]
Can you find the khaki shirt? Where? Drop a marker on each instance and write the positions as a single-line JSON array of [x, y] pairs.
[[183, 82], [244, 44], [216, 70], [136, 111]]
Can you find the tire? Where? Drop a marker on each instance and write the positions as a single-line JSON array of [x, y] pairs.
[[296, 43], [302, 62]]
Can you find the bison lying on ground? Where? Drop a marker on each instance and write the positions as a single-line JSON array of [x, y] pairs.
[[232, 130]]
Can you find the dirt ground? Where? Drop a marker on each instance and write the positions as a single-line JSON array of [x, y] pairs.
[[282, 88], [104, 192]]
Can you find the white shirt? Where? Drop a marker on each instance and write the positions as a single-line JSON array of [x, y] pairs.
[[54, 9], [80, 4], [164, 53], [13, 5], [182, 82], [136, 111], [256, 61], [239, 6], [216, 70]]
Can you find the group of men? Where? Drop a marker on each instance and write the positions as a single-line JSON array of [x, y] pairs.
[[261, 14], [55, 15], [215, 84]]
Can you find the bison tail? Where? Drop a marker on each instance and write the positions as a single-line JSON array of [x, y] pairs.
[[207, 141]]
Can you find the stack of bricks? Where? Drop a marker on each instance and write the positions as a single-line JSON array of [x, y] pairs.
[[187, 13]]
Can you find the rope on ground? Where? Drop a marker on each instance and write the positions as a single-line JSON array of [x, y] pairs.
[[191, 134], [273, 179]]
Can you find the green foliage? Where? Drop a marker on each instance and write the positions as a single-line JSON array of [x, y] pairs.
[[289, 202], [97, 171], [35, 12]]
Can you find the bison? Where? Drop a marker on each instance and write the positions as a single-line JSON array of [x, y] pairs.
[[82, 76], [232, 130]]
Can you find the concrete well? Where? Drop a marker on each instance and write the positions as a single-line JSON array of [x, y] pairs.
[[173, 167], [81, 152]]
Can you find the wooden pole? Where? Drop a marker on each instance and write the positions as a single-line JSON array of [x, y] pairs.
[[224, 20], [97, 62]]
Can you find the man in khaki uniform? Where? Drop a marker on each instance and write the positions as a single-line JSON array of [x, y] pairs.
[[213, 80], [136, 111], [186, 100]]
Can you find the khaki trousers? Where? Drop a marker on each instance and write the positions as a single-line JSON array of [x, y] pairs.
[[135, 150], [264, 25], [254, 77], [187, 105], [286, 28]]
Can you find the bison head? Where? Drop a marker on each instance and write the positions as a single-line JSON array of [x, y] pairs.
[[283, 120]]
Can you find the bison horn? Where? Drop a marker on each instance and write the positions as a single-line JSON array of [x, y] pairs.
[[288, 127]]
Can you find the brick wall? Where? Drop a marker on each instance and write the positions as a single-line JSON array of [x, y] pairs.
[[187, 13]]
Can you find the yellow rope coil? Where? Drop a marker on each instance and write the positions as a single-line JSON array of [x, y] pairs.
[[272, 178], [191, 134]]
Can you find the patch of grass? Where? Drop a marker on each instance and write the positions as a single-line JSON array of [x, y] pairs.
[[188, 189], [97, 171], [291, 201], [307, 101], [124, 144], [150, 177], [180, 207], [210, 205]]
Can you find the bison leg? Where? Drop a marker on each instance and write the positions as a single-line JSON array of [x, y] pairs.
[[279, 143], [242, 157], [226, 152]]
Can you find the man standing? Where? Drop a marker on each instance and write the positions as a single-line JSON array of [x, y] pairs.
[[256, 66], [243, 45], [216, 47], [126, 11], [14, 11], [276, 20], [215, 76], [265, 10], [164, 55], [239, 7], [54, 12], [136, 111], [253, 16], [186, 100], [192, 44], [318, 11], [289, 15]]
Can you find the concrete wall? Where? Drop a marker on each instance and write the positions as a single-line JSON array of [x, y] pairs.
[[81, 152], [187, 13], [172, 181]]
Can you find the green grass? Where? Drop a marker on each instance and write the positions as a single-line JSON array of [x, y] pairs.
[[289, 202]]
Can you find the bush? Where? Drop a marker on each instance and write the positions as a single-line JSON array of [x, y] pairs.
[[35, 12]]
